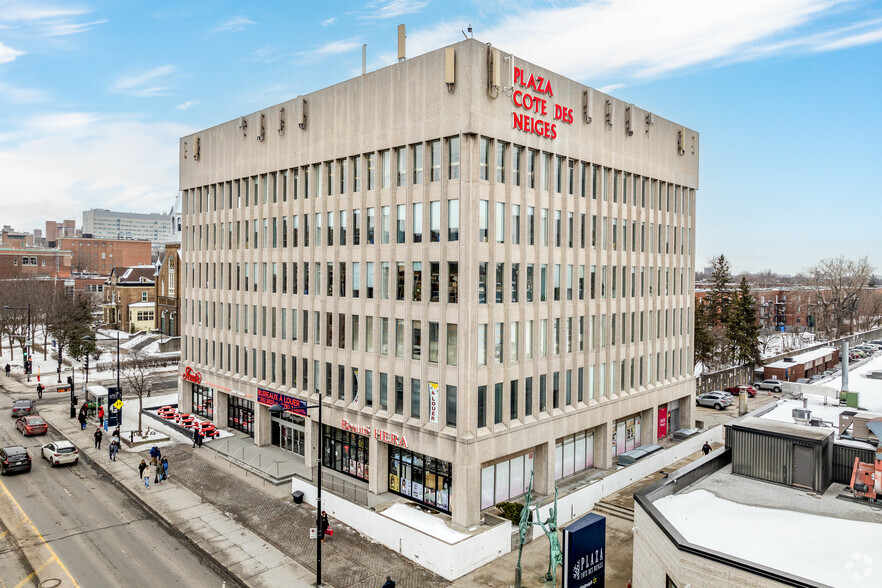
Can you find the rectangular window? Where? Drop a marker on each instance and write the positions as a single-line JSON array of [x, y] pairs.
[[368, 388], [417, 222], [384, 224], [500, 162], [497, 342], [400, 223], [433, 342], [435, 280], [482, 344], [528, 396], [399, 338], [384, 391], [482, 406], [434, 222], [417, 164], [515, 281], [450, 408], [513, 341], [453, 220], [482, 282], [451, 344], [452, 281], [484, 159], [483, 220], [401, 167], [500, 222], [453, 154], [417, 281], [371, 171], [399, 395], [497, 403], [416, 343], [435, 156], [414, 398], [385, 168]]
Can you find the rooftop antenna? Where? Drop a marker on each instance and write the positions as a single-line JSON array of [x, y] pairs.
[[364, 59], [470, 35]]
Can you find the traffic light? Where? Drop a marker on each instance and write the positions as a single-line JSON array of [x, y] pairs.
[[70, 380], [27, 366]]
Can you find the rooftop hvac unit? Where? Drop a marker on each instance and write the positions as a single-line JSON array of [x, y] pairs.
[[802, 416]]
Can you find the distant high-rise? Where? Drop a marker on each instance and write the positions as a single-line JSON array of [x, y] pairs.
[[109, 224]]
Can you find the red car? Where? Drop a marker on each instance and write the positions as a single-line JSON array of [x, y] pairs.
[[736, 390], [32, 425]]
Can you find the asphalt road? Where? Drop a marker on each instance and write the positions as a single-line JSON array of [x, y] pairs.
[[72, 525]]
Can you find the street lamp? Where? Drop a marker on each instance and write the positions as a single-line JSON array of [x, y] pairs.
[[279, 409], [27, 338]]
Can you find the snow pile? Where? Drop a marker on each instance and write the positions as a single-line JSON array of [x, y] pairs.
[[423, 521], [837, 552]]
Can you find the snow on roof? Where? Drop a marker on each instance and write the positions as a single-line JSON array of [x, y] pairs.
[[803, 357], [428, 524], [142, 305], [828, 549], [781, 426]]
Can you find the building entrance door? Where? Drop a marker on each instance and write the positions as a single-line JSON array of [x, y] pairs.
[[802, 467]]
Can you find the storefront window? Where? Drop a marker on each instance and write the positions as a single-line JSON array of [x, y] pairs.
[[422, 478], [288, 432], [505, 480], [240, 415], [203, 401], [346, 452]]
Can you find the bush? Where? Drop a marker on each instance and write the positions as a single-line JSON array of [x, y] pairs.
[[512, 511]]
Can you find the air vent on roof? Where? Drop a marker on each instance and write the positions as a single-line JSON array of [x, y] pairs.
[[587, 105]]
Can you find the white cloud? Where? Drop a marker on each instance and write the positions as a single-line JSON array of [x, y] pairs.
[[121, 163], [610, 88], [393, 8], [233, 25], [629, 39], [265, 54], [337, 47], [148, 83], [186, 105], [8, 54], [60, 28], [329, 21], [16, 95]]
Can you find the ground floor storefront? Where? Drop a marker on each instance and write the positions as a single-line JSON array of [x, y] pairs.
[[437, 469]]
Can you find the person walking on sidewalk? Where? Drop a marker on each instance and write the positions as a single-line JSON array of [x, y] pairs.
[[164, 463], [197, 438], [157, 473], [7, 370], [706, 448], [144, 472], [82, 419], [325, 525], [98, 436], [100, 416], [389, 583], [113, 448], [155, 454]]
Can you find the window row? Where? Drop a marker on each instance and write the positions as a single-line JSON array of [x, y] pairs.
[[283, 231]]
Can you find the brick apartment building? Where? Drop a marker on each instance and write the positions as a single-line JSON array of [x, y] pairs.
[[168, 291], [102, 255], [124, 287], [34, 262]]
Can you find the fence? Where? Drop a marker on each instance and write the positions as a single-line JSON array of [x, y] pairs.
[[843, 461]]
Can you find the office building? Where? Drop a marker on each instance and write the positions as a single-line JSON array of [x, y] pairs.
[[109, 224], [482, 268]]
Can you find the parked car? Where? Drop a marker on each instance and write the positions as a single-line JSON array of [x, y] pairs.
[[717, 400], [14, 458], [736, 390], [772, 384], [32, 425], [803, 381], [59, 452], [24, 407]]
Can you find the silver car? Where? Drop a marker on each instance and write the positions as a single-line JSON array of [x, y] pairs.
[[59, 452], [715, 400]]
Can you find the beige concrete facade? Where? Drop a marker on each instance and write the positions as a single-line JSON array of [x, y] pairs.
[[633, 222]]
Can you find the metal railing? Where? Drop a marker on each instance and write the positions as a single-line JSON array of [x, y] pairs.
[[344, 488]]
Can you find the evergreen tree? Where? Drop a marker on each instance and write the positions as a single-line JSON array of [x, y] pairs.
[[719, 300], [704, 343], [743, 327]]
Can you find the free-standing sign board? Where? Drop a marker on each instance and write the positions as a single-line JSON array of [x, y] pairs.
[[114, 414], [584, 546]]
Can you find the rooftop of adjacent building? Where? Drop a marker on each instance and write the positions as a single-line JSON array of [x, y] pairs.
[[803, 357]]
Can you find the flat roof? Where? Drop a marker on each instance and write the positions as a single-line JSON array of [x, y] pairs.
[[782, 427], [803, 357], [819, 538]]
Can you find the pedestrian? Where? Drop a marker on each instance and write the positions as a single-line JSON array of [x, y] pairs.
[[201, 437], [157, 473], [144, 472], [155, 454], [706, 448], [325, 525], [197, 438], [39, 390], [98, 436], [82, 419], [7, 370], [164, 463], [389, 583], [116, 433], [113, 448], [100, 416]]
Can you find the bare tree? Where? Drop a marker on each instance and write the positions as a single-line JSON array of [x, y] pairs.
[[138, 373], [837, 285]]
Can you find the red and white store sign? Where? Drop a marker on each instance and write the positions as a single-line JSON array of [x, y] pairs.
[[531, 101], [379, 434], [191, 375]]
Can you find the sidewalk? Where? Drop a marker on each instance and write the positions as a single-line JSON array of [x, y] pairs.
[[244, 554]]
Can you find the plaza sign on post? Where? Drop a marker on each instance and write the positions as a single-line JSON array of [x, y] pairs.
[[584, 546]]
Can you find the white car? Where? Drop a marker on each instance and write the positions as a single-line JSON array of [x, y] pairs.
[[59, 452]]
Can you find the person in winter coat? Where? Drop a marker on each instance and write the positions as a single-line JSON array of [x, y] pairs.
[[100, 416], [157, 473], [98, 436], [325, 525], [389, 583], [144, 472], [164, 463], [155, 454], [197, 438], [82, 419], [706, 448], [116, 433], [7, 370], [113, 448]]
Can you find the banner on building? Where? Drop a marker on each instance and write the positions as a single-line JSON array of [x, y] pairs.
[[584, 546], [294, 405], [433, 402], [662, 422]]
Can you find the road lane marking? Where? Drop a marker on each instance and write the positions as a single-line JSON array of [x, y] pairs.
[[39, 535], [36, 572]]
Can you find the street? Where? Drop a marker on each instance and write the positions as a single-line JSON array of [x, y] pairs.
[[73, 525]]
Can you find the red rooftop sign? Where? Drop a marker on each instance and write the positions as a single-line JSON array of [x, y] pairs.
[[534, 100]]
